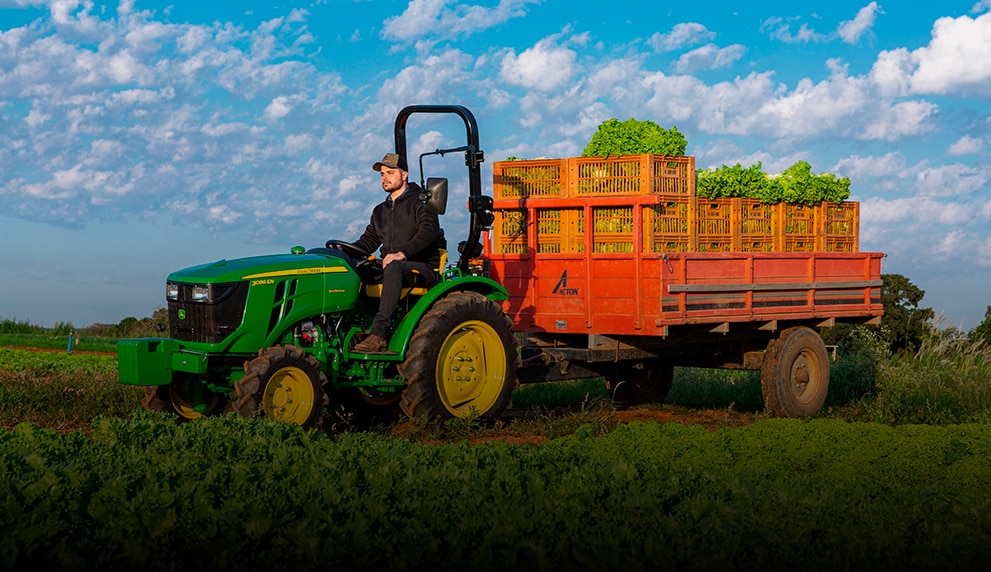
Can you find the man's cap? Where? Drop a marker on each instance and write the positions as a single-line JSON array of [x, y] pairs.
[[392, 161]]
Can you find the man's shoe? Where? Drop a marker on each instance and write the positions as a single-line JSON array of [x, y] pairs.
[[373, 344]]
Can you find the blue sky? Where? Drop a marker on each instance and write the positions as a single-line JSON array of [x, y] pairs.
[[140, 137]]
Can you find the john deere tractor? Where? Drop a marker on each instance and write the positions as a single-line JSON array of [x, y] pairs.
[[272, 335]]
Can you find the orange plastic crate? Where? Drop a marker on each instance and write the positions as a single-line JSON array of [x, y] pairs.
[[668, 243], [841, 219], [669, 216], [612, 229], [673, 175], [840, 244], [756, 218], [524, 179], [797, 219], [559, 230], [800, 243], [717, 243], [715, 217], [509, 232], [631, 175]]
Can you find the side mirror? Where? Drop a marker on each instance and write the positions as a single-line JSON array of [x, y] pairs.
[[436, 195]]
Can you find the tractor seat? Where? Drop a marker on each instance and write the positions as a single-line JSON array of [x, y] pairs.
[[375, 290]]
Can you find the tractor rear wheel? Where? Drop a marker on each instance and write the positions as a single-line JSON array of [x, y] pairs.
[[640, 382], [462, 360], [284, 383], [179, 398], [794, 376]]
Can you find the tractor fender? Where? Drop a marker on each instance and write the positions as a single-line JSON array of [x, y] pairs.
[[485, 286]]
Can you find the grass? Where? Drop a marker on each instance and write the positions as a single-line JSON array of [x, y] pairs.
[[60, 390], [947, 381], [59, 342]]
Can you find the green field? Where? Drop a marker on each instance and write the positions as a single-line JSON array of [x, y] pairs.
[[892, 475], [229, 493]]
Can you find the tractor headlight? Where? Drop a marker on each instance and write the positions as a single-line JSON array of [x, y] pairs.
[[171, 291], [200, 293]]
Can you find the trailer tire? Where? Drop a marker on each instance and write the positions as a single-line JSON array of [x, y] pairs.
[[795, 373], [284, 383], [640, 382], [462, 360], [174, 398]]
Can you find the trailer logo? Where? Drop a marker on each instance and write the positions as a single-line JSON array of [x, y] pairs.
[[562, 286]]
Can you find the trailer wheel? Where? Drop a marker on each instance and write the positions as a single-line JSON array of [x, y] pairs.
[[640, 382], [283, 383], [795, 373], [462, 360], [177, 398]]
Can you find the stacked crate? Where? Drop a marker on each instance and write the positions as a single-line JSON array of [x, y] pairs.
[[798, 230], [545, 206], [840, 225]]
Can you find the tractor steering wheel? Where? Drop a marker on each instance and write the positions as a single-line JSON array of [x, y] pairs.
[[359, 256]]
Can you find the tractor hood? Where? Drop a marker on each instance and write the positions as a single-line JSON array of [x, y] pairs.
[[261, 267]]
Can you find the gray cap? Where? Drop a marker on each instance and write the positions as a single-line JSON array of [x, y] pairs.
[[392, 161]]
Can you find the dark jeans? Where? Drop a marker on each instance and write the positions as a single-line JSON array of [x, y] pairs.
[[396, 275]]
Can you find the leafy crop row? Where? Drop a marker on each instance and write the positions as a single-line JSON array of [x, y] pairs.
[[227, 493], [796, 184]]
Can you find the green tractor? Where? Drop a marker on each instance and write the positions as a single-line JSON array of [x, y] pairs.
[[271, 335]]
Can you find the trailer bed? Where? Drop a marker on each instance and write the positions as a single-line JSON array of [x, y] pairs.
[[645, 294]]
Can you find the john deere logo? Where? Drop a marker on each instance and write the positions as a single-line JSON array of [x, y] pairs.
[[182, 314], [562, 286]]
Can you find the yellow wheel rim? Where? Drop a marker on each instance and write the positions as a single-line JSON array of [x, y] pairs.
[[183, 406], [289, 395], [471, 369]]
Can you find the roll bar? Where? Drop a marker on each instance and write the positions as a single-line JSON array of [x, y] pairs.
[[480, 207]]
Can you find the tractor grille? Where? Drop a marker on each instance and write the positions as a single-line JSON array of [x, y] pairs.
[[210, 321]]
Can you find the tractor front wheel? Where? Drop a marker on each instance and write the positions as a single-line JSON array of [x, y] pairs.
[[283, 383], [185, 398], [462, 360]]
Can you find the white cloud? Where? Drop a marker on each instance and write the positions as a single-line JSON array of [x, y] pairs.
[[966, 145], [950, 181], [444, 72], [780, 29], [710, 57], [437, 18], [894, 122], [886, 166], [680, 36], [280, 107], [956, 61], [543, 67], [851, 30]]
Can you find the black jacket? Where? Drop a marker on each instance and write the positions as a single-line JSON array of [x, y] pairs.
[[405, 226]]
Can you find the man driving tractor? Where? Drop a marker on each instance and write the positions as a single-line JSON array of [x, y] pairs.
[[411, 241]]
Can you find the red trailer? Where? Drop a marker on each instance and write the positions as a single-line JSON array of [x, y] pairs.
[[626, 285]]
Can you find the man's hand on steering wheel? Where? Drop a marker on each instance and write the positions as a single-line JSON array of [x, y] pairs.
[[358, 255]]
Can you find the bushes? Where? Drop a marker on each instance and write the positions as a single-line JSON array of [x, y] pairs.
[[947, 381]]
